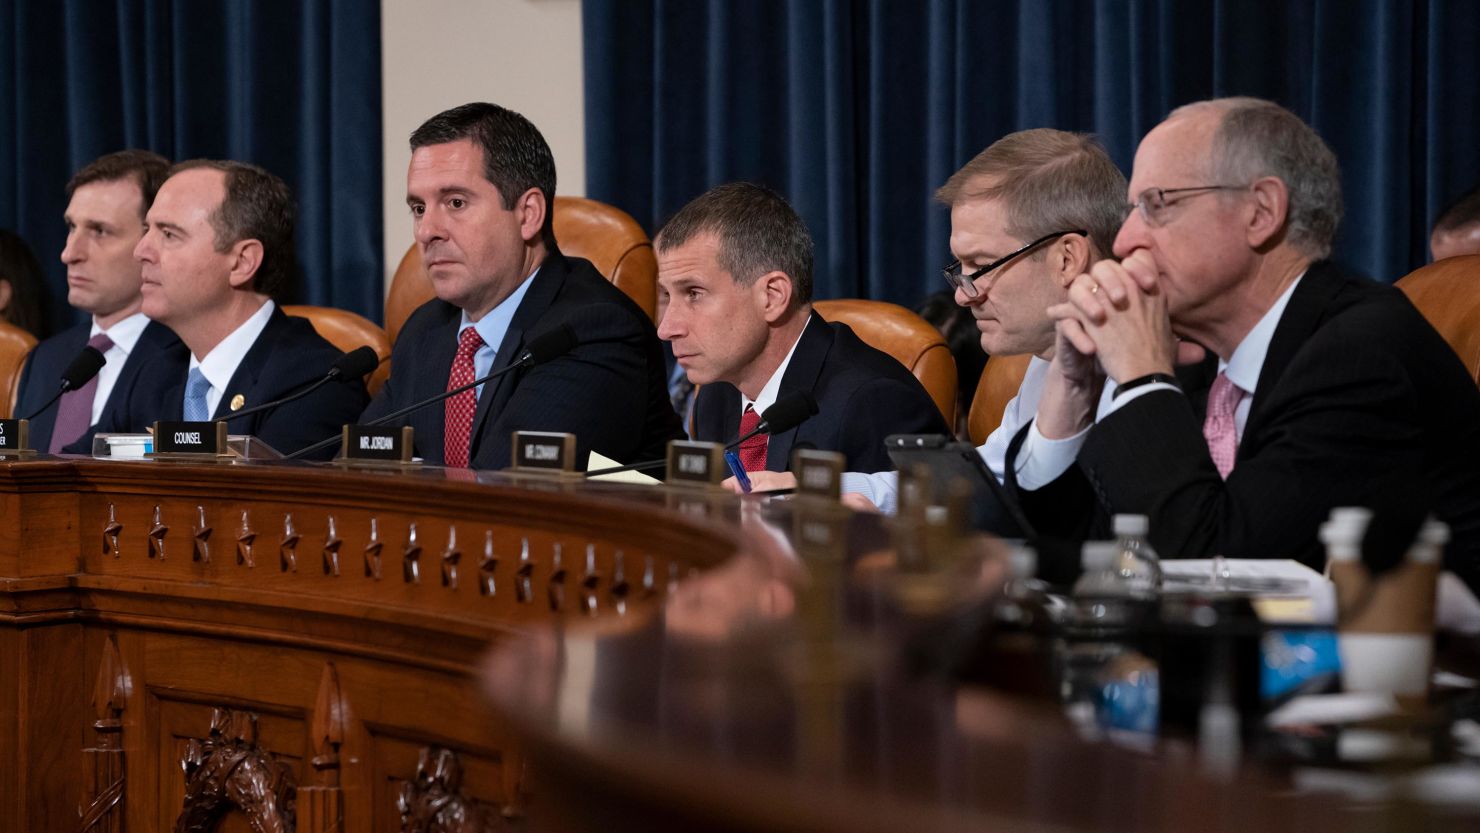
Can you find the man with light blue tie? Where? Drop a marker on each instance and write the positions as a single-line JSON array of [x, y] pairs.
[[218, 247]]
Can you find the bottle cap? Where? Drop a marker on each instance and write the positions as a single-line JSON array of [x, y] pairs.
[[1429, 547], [1022, 563], [1130, 524], [1343, 533], [1098, 555]]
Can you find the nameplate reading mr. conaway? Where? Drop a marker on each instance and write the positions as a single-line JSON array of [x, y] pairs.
[[190, 438], [544, 451]]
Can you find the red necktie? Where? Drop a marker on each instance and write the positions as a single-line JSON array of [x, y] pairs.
[[460, 409], [1219, 427], [753, 450]]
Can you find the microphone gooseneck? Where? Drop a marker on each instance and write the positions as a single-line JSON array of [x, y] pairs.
[[352, 365]]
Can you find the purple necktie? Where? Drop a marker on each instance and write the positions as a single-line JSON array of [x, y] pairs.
[[74, 414], [1219, 427]]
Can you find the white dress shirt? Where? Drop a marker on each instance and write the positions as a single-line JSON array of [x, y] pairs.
[[125, 334], [219, 365], [492, 328]]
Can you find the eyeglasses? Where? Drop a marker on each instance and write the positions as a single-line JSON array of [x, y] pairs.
[[1153, 202], [967, 283]]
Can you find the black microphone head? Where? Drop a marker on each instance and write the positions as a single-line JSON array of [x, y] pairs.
[[355, 364], [551, 344], [789, 411], [83, 368]]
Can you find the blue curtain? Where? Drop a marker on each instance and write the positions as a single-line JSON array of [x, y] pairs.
[[858, 109], [291, 85]]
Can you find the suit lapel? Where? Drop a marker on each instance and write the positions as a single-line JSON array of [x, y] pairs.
[[1306, 309], [801, 374], [244, 381], [438, 347]]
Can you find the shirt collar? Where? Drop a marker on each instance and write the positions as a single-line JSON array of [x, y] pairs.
[[492, 327], [220, 364], [767, 397], [124, 334], [1242, 368]]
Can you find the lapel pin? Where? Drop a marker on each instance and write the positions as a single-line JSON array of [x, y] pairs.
[[237, 402]]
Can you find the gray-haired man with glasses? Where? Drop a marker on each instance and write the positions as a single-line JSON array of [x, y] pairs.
[[1328, 390]]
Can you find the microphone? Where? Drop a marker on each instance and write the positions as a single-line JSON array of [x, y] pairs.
[[78, 373], [551, 344], [787, 413], [352, 365]]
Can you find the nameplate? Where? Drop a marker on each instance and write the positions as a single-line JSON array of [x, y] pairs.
[[377, 443], [15, 436], [696, 464], [544, 451], [819, 473], [196, 439]]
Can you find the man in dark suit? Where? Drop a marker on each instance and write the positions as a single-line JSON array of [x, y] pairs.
[[219, 246], [105, 219], [480, 187], [735, 284], [1329, 391]]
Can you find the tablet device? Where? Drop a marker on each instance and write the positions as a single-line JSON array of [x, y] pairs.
[[993, 510]]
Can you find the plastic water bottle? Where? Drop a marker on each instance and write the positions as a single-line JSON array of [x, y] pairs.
[[1108, 686], [1137, 562]]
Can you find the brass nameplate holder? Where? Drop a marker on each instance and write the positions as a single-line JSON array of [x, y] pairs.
[[15, 438], [190, 441], [696, 464], [819, 473], [376, 445], [544, 452]]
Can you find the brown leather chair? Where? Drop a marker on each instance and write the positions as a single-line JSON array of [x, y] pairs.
[[908, 338], [15, 346], [346, 330], [1000, 381], [603, 234], [1448, 294]]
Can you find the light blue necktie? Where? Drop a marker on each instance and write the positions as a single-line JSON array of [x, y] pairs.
[[195, 396]]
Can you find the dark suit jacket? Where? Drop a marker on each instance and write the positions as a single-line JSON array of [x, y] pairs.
[[610, 391], [863, 395], [1359, 403], [50, 358], [287, 356]]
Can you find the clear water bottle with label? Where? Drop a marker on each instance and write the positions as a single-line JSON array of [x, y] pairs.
[[1136, 561]]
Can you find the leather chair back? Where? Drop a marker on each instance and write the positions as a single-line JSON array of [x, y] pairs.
[[15, 346], [347, 331], [1447, 292], [1000, 381], [908, 338], [603, 234]]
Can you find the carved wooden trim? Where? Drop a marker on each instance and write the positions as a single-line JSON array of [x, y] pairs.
[[288, 546], [202, 535], [321, 804], [435, 802], [332, 543], [157, 531], [556, 588], [450, 556], [111, 530], [590, 581], [649, 577], [523, 584], [244, 541], [411, 558], [619, 588], [228, 769], [372, 551], [102, 797], [487, 566]]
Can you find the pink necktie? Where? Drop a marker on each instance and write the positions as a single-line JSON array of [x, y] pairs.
[[1219, 427], [74, 415], [460, 408]]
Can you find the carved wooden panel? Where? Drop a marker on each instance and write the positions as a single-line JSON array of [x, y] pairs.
[[103, 767], [228, 770]]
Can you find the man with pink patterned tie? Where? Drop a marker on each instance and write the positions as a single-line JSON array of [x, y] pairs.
[[1328, 390]]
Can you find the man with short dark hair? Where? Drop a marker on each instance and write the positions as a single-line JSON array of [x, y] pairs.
[[1457, 231], [108, 199], [217, 249], [481, 187], [1328, 390], [735, 284]]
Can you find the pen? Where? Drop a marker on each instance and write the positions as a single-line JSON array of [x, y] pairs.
[[733, 461]]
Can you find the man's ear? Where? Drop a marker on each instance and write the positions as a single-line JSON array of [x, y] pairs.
[[1271, 208], [774, 291], [531, 208], [1068, 258], [246, 259]]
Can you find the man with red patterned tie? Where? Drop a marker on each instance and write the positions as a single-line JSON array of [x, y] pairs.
[[480, 188], [1328, 390], [735, 286]]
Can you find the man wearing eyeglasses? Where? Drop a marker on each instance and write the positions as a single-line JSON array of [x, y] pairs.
[[735, 287], [1329, 390]]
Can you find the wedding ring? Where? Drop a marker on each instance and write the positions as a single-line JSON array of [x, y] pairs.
[[1095, 290]]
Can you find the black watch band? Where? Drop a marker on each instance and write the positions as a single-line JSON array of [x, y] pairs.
[[1148, 379]]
